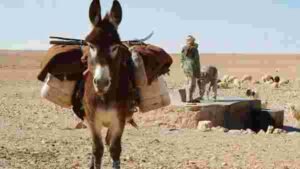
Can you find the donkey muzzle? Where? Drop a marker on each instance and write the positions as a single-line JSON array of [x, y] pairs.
[[101, 85], [102, 79]]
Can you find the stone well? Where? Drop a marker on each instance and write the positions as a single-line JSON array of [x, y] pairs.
[[233, 112]]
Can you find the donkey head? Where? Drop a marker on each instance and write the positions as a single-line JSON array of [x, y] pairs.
[[100, 40]]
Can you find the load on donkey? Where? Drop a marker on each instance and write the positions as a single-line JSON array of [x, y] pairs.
[[65, 65], [104, 79]]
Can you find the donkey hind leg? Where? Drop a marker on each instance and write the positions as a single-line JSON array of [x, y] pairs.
[[98, 149], [115, 148], [201, 86], [215, 88]]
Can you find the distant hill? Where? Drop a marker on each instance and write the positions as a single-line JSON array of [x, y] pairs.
[[234, 64], [28, 53]]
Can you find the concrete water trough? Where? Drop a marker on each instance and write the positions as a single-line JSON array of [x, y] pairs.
[[233, 112]]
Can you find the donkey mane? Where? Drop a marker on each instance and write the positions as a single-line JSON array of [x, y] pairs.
[[97, 35]]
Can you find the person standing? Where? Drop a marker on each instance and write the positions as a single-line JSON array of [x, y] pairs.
[[190, 64]]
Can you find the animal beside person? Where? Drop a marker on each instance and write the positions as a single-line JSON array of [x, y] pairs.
[[209, 75]]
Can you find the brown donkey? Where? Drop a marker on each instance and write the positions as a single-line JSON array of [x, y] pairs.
[[107, 84]]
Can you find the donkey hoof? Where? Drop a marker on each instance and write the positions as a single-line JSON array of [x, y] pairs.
[[116, 165]]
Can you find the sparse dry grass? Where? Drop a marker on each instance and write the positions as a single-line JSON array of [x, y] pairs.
[[35, 134]]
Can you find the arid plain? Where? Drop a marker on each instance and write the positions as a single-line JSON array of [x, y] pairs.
[[35, 134]]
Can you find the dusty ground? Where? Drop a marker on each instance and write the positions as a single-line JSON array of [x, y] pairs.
[[36, 134]]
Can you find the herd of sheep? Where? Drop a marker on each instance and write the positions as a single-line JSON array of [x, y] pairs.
[[227, 80]]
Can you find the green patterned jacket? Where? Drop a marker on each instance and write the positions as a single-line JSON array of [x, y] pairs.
[[190, 62]]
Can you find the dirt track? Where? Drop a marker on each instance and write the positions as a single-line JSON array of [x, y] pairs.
[[35, 134]]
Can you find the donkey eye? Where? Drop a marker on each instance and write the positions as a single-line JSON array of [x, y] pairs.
[[111, 52], [92, 47]]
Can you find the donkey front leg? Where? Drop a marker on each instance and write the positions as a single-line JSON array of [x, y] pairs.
[[208, 91], [98, 149], [115, 149]]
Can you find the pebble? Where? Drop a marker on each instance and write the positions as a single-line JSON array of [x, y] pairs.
[[224, 164], [249, 131], [204, 126], [278, 131], [220, 129], [261, 132], [236, 132], [270, 130]]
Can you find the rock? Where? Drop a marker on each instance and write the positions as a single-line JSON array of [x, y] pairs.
[[205, 126], [249, 131], [278, 131], [270, 130], [155, 141], [170, 131], [243, 131], [80, 125], [224, 164], [261, 132], [235, 132], [220, 129]]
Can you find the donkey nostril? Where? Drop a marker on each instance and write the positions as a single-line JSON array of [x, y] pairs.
[[95, 81], [106, 82]]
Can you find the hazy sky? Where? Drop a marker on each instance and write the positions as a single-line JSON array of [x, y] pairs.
[[218, 25]]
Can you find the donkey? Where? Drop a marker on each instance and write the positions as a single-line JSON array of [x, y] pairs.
[[107, 84], [209, 74]]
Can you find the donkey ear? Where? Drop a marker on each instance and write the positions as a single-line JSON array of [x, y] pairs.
[[95, 12], [116, 13]]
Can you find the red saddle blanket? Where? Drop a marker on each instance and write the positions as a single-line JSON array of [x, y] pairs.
[[156, 60], [63, 61]]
